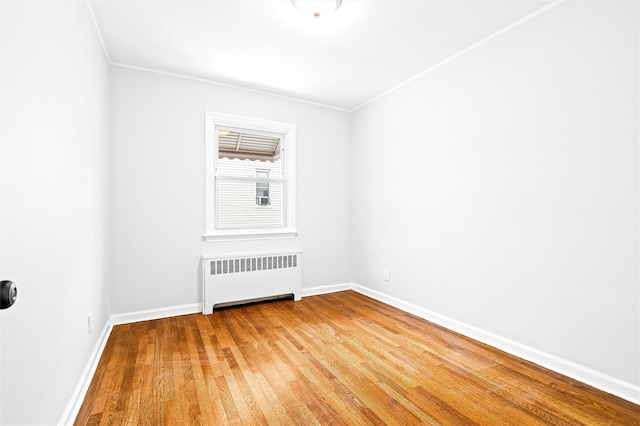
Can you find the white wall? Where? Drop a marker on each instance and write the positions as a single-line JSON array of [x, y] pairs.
[[55, 209], [158, 186], [501, 189]]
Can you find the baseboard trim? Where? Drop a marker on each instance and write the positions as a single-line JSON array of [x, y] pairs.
[[567, 368], [151, 314], [324, 289], [73, 407]]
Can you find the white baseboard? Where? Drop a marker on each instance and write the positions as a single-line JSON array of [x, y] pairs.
[[324, 289], [576, 371], [73, 407], [151, 314]]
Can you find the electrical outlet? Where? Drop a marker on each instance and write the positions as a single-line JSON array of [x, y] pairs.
[[387, 275], [90, 322]]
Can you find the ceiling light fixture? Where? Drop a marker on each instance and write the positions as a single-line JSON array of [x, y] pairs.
[[316, 8]]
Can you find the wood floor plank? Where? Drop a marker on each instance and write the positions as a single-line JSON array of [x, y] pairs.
[[334, 359]]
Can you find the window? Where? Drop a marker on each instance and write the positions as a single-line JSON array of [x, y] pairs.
[[262, 189], [250, 178]]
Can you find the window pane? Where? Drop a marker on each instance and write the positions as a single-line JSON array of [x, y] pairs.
[[248, 168], [237, 205]]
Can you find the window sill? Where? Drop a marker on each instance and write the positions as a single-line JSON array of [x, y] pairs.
[[248, 235]]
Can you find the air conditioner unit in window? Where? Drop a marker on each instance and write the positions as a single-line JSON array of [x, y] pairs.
[[262, 201]]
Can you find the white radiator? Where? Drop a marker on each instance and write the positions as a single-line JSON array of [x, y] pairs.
[[241, 278]]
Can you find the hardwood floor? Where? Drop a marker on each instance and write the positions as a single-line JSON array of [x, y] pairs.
[[335, 359]]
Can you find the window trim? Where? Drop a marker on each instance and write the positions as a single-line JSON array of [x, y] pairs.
[[213, 120]]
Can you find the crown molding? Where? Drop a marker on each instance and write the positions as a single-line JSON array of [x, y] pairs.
[[98, 32], [462, 52]]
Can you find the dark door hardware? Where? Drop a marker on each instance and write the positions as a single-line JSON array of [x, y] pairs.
[[8, 294]]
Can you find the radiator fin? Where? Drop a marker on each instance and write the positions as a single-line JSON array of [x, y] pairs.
[[251, 264]]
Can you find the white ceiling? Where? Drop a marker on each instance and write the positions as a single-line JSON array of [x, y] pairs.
[[342, 60]]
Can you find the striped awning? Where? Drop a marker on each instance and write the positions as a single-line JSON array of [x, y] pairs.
[[248, 146]]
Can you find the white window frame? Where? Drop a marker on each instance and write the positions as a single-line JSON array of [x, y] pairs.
[[214, 120]]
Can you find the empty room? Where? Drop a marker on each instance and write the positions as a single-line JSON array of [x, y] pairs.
[[330, 212]]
